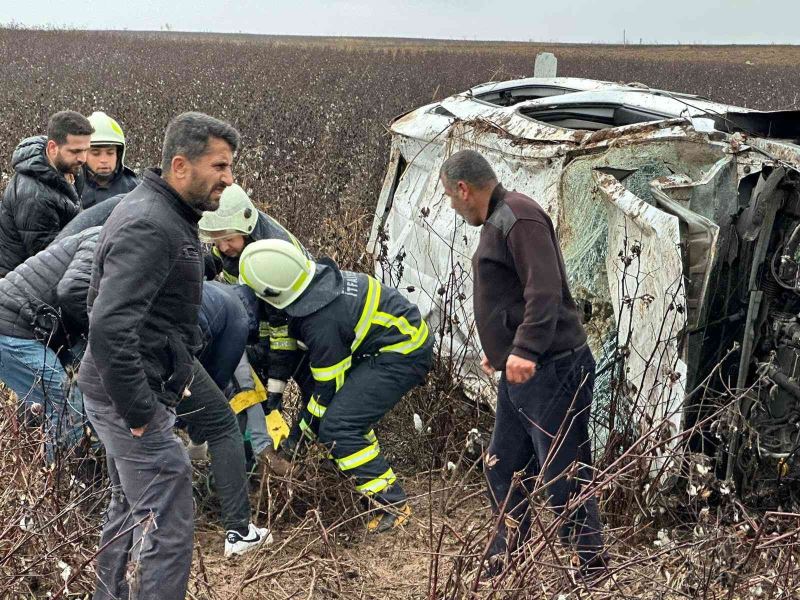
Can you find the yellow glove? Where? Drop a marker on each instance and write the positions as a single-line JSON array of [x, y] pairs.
[[277, 428], [244, 400]]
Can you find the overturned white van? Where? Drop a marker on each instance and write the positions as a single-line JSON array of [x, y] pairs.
[[679, 221]]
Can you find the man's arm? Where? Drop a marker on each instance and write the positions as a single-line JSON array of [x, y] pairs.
[[330, 359], [536, 261], [73, 288], [135, 266]]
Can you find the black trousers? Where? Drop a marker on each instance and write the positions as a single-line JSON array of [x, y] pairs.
[[209, 418], [371, 389], [541, 426]]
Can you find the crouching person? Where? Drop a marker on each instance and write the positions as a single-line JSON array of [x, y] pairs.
[[42, 320], [367, 346]]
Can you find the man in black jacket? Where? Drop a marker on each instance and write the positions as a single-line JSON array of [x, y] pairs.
[[105, 169], [42, 314], [44, 193], [143, 330]]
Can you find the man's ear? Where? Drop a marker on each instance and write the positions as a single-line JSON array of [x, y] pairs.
[[463, 189], [52, 148], [179, 166]]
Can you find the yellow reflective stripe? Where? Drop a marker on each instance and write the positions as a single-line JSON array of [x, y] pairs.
[[244, 400], [289, 235], [371, 303], [302, 277], [370, 436], [414, 343], [359, 458], [282, 344], [279, 331], [306, 429], [263, 330], [315, 408], [229, 278], [378, 484], [333, 372], [215, 251], [294, 241]]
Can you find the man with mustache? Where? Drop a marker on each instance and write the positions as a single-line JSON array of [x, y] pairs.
[[44, 193], [144, 298]]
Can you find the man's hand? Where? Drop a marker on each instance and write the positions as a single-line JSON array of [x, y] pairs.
[[486, 366], [138, 432], [519, 370]]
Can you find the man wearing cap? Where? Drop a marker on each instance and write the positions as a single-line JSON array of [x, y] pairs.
[[105, 170]]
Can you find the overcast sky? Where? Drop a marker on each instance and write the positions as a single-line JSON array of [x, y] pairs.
[[685, 21]]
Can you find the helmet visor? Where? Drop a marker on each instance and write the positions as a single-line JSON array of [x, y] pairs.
[[210, 237]]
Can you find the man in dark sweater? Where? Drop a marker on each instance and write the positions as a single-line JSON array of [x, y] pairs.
[[530, 330]]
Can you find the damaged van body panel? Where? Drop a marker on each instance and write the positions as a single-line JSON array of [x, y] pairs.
[[679, 227]]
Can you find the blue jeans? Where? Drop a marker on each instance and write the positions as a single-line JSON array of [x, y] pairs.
[[225, 326], [35, 374]]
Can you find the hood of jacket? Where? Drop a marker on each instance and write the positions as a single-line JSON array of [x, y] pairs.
[[29, 159], [326, 286]]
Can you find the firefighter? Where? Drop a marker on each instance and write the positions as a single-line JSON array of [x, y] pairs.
[[105, 169], [230, 228], [367, 346]]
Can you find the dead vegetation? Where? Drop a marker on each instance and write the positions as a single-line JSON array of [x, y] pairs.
[[314, 154]]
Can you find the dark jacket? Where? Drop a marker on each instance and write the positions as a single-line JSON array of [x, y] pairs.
[[91, 217], [123, 181], [522, 301], [343, 316], [37, 203], [144, 299], [45, 297]]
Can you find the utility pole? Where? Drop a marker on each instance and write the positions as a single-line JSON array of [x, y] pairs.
[[624, 38]]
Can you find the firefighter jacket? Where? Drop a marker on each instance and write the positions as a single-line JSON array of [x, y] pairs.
[[345, 317]]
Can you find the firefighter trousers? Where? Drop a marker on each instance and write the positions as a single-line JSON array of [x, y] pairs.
[[371, 389]]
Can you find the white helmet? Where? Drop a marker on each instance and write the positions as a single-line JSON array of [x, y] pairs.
[[276, 270], [107, 132], [236, 215]]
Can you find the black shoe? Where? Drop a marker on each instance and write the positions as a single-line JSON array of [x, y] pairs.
[[494, 565], [595, 567]]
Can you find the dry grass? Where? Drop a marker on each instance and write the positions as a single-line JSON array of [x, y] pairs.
[[313, 114]]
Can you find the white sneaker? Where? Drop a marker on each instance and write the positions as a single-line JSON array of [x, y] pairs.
[[236, 543]]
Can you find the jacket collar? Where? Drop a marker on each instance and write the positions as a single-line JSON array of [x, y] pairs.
[[498, 194], [153, 180]]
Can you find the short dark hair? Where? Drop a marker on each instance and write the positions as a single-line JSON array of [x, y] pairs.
[[67, 122], [188, 135], [468, 166]]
